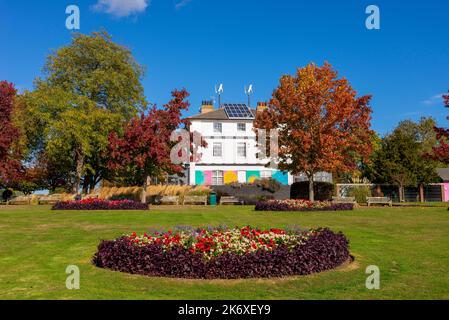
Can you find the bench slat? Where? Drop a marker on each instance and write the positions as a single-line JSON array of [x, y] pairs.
[[233, 200], [195, 199], [170, 199], [379, 200], [343, 199]]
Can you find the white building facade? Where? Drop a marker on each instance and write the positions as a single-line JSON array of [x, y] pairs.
[[232, 152]]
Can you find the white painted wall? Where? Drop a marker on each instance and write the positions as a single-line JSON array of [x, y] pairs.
[[229, 161], [229, 145]]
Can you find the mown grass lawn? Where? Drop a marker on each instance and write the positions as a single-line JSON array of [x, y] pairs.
[[410, 246]]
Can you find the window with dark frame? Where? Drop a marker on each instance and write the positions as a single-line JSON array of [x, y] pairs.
[[241, 149], [241, 127], [218, 149], [218, 127], [217, 178]]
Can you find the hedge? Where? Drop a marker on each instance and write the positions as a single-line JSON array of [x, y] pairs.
[[323, 190]]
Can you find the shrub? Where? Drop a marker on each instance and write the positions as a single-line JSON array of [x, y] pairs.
[[7, 194], [360, 194], [323, 190], [192, 254], [269, 184], [302, 205], [97, 204]]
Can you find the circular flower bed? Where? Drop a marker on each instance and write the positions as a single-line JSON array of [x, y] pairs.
[[302, 205], [221, 253], [97, 204]]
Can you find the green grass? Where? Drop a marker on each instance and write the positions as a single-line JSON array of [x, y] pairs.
[[410, 246]]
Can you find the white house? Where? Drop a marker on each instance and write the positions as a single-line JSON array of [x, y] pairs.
[[232, 153]]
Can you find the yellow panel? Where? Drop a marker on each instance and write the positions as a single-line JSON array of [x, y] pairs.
[[230, 177]]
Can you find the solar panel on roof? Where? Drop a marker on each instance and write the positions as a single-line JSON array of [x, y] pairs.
[[238, 111]]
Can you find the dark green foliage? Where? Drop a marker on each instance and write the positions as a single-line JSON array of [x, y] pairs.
[[89, 89], [360, 194], [323, 191], [7, 194], [400, 161]]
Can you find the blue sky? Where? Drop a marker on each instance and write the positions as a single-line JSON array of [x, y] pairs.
[[198, 43]]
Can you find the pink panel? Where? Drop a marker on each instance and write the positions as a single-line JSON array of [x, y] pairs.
[[446, 192], [208, 178]]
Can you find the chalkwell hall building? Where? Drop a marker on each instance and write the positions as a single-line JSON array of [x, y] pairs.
[[232, 153]]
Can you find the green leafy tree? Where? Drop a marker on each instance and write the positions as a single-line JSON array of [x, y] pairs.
[[422, 132], [399, 161], [91, 88]]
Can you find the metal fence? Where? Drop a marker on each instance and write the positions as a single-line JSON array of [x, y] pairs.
[[432, 192]]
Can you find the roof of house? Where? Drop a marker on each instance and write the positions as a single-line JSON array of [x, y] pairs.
[[443, 173], [219, 114]]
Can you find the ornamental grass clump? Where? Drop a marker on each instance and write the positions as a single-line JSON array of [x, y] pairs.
[[221, 253]]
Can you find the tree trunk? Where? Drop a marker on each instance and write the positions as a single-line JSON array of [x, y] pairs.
[[93, 183], [421, 192], [79, 158], [311, 188], [401, 193], [146, 183], [86, 184]]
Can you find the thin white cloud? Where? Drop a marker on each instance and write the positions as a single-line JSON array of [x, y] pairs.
[[182, 4], [434, 100], [121, 8]]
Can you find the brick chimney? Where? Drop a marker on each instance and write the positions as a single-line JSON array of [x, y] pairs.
[[261, 106], [207, 106]]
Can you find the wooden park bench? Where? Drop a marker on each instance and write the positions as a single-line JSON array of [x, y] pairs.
[[230, 200], [379, 200], [195, 199], [343, 200], [51, 199], [170, 199]]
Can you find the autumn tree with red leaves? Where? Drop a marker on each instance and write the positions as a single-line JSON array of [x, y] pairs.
[[322, 124], [441, 151], [145, 148], [9, 134]]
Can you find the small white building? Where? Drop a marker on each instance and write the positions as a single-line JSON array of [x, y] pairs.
[[232, 153]]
